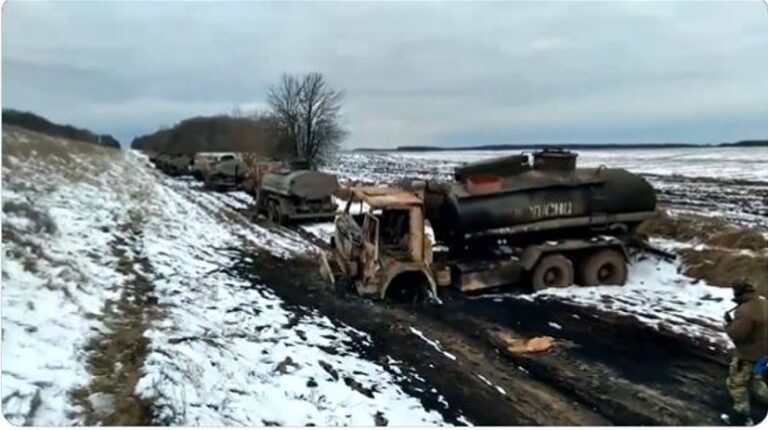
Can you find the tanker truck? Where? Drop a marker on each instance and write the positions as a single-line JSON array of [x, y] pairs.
[[226, 173], [531, 220], [288, 195]]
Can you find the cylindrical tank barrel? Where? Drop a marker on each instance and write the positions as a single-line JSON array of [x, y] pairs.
[[455, 210], [305, 184]]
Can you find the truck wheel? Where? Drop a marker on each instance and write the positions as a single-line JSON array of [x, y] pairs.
[[554, 270], [272, 212], [604, 267]]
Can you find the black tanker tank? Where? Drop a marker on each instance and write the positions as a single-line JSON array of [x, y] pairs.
[[535, 197]]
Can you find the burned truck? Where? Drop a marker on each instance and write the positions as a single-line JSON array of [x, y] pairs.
[[173, 164], [226, 173], [533, 220], [289, 195]]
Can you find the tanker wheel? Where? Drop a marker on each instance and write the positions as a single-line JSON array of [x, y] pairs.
[[604, 267], [554, 270], [273, 212]]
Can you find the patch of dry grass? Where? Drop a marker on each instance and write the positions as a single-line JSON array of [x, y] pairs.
[[722, 260], [713, 232]]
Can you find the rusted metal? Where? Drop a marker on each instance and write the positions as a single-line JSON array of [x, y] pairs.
[[516, 215], [385, 253], [381, 197]]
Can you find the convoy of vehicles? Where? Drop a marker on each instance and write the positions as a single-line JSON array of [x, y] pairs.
[[533, 220]]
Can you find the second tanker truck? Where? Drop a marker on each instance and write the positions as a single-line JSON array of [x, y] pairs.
[[534, 220]]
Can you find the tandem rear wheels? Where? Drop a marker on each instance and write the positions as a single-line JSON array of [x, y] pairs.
[[275, 213], [597, 267], [604, 267], [552, 271]]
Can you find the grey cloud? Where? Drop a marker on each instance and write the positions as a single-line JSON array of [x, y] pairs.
[[413, 73]]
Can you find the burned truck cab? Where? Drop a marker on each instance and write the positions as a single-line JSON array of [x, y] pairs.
[[382, 249]]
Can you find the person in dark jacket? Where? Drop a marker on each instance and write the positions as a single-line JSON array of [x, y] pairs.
[[748, 329]]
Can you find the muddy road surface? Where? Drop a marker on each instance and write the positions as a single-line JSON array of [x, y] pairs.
[[600, 371]]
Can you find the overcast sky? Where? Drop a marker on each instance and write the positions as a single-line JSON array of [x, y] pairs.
[[413, 73]]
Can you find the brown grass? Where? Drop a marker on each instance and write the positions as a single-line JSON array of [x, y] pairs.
[[722, 267], [722, 260], [709, 231], [116, 358]]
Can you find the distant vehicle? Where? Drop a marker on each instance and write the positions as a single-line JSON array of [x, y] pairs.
[[174, 164], [202, 163], [287, 195], [507, 221], [226, 173]]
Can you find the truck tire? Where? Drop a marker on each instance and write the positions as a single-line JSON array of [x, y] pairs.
[[604, 267], [273, 212], [554, 270]]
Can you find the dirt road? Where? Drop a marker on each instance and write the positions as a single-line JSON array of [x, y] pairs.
[[601, 371]]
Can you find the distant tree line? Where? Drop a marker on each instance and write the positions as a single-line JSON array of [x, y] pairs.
[[256, 132], [34, 122], [574, 146]]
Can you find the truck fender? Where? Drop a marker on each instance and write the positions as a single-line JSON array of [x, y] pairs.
[[432, 292], [531, 256]]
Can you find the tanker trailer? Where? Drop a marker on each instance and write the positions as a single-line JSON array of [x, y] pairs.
[[288, 195], [536, 218], [520, 201]]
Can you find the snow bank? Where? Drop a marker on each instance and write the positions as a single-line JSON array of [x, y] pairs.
[[58, 270], [223, 348], [715, 182], [230, 353], [658, 296]]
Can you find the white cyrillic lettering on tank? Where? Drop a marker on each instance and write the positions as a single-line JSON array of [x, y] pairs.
[[551, 210]]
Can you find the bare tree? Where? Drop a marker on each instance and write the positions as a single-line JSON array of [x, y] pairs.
[[284, 99], [309, 112]]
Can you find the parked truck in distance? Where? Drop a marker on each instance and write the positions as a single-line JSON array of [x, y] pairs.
[[226, 173], [293, 194], [533, 220], [173, 164]]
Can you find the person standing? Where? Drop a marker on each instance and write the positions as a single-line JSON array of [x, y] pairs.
[[748, 329]]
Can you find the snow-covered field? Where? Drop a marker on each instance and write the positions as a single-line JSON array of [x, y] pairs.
[[723, 182], [222, 348], [88, 232], [659, 297], [741, 163]]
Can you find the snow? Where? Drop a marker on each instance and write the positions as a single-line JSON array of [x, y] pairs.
[[433, 343], [658, 296], [58, 270], [743, 163], [321, 230], [715, 182], [224, 349]]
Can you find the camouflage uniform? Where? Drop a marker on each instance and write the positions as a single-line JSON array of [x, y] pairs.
[[748, 329], [740, 381]]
